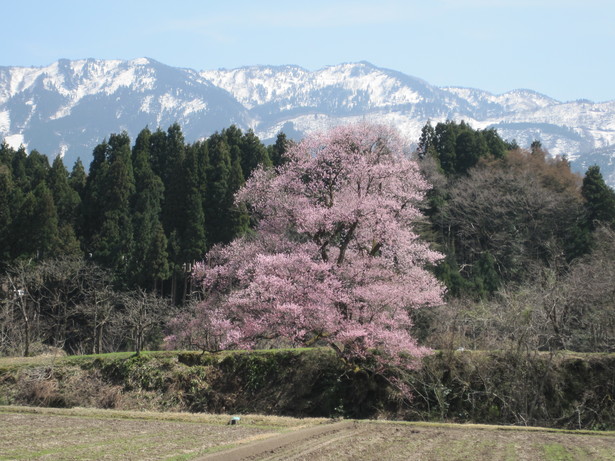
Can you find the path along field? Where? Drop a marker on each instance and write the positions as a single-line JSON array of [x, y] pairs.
[[85, 434]]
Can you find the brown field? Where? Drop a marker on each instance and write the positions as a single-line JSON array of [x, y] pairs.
[[86, 434]]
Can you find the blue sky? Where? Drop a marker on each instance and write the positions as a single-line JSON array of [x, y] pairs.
[[562, 48]]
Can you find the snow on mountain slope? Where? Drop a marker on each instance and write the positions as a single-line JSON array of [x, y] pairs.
[[279, 96], [512, 101], [70, 106], [342, 88]]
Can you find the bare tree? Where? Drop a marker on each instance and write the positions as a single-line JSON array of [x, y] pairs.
[[143, 313], [97, 303], [22, 283]]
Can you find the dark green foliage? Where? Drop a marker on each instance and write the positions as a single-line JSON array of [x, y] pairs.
[[470, 146], [232, 158], [66, 198], [158, 153], [183, 208], [6, 192], [6, 154], [508, 388], [445, 136], [149, 260], [183, 216], [277, 151], [111, 243], [147, 212], [496, 146], [219, 198], [192, 217], [448, 272], [458, 147], [497, 215], [35, 226], [92, 201], [569, 391], [18, 168], [239, 217], [599, 199], [486, 277], [139, 214], [426, 147], [509, 214], [78, 178], [36, 166], [253, 153]]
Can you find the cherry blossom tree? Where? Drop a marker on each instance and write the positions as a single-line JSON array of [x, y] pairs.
[[333, 260]]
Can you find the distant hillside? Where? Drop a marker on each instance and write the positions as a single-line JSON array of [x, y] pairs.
[[70, 106]]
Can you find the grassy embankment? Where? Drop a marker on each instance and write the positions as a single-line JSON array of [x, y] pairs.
[[567, 390]]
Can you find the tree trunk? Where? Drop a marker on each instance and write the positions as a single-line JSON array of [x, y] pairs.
[[26, 348], [174, 288]]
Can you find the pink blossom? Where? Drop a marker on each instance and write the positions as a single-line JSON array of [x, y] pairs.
[[335, 258]]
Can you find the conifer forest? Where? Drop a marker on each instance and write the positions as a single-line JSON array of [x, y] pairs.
[[346, 239]]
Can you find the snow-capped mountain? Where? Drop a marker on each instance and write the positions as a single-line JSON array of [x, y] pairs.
[[70, 106]]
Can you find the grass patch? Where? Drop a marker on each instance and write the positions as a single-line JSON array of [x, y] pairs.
[[557, 452], [84, 433], [258, 421], [493, 427], [566, 390]]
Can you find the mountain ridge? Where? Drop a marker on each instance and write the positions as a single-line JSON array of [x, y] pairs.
[[70, 106]]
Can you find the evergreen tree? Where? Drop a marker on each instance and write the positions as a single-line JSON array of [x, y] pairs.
[[78, 178], [18, 168], [6, 191], [192, 228], [599, 199], [36, 226], [172, 178], [92, 204], [219, 192], [486, 277], [183, 214], [466, 151], [496, 146], [6, 154], [158, 153], [426, 147], [458, 147], [253, 154], [175, 146], [233, 136], [239, 219], [37, 167], [277, 151], [67, 203], [149, 259], [536, 148], [445, 140], [66, 198], [111, 243], [202, 157], [157, 258]]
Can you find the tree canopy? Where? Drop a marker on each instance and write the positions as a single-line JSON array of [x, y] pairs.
[[334, 258]]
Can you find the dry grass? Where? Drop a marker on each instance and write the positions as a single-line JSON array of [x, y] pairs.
[[418, 441], [83, 433], [259, 421]]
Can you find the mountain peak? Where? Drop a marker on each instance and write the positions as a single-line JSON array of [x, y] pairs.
[[71, 105]]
